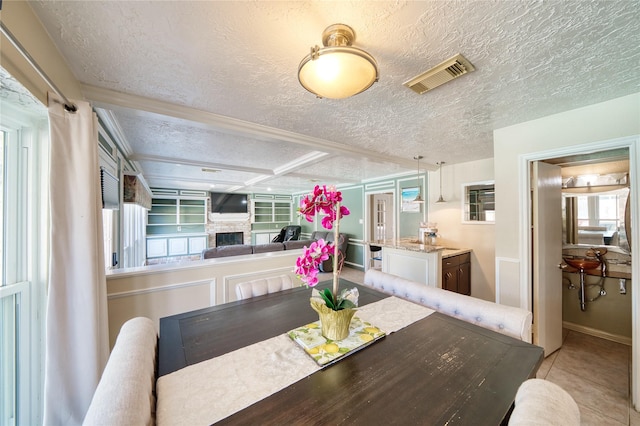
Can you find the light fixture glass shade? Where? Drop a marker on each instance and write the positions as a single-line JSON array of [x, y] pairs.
[[338, 70]]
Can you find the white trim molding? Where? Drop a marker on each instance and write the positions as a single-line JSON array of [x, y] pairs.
[[514, 263]]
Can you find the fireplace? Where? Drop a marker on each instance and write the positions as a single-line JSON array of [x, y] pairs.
[[229, 238]]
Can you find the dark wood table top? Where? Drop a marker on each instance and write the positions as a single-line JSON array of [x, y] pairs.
[[436, 371], [196, 336]]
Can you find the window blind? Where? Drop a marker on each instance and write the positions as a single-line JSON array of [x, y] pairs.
[[110, 194]]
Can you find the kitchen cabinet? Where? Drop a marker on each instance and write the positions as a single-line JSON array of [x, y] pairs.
[[414, 263], [456, 273]]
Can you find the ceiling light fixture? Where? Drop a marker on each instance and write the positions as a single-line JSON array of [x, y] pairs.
[[338, 70], [418, 198], [440, 199]]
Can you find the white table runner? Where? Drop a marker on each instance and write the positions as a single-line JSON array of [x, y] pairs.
[[211, 390]]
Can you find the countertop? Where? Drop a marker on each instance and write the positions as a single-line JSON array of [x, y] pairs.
[[598, 273], [450, 252], [411, 244]]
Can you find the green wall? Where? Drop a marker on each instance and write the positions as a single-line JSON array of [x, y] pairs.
[[409, 222], [354, 197], [298, 219]]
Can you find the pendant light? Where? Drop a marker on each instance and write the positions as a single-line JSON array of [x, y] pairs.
[[418, 198], [440, 199]]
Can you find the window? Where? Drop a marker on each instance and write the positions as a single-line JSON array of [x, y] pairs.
[[479, 202], [23, 252]]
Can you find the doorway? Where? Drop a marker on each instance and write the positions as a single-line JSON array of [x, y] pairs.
[[580, 204], [528, 297], [380, 225]]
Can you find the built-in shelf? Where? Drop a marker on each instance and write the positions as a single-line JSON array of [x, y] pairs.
[[176, 215], [266, 208], [176, 224]]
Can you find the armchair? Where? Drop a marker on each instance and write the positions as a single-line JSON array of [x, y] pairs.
[[343, 245]]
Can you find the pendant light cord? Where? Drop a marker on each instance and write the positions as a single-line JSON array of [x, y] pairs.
[[440, 199]]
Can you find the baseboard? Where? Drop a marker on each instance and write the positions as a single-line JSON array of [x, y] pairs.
[[597, 333]]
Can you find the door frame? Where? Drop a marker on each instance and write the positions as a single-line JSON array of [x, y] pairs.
[[525, 223], [367, 218]]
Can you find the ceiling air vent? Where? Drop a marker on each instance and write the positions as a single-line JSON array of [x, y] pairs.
[[448, 70]]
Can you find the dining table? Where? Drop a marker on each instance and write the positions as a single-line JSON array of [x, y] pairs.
[[436, 370]]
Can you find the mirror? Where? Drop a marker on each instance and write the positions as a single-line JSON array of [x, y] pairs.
[[596, 219]]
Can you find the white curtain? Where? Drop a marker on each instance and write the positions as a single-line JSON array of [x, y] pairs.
[[134, 229], [77, 344], [107, 237]]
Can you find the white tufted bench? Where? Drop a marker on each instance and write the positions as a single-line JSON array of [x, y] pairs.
[[508, 320]]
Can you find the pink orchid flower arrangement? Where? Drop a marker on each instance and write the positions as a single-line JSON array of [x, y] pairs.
[[325, 200]]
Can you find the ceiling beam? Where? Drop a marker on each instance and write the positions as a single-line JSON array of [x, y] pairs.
[[191, 180], [203, 164], [105, 98]]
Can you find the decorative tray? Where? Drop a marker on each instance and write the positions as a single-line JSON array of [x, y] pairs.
[[325, 351]]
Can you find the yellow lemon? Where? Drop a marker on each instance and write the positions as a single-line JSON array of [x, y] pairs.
[[312, 325], [372, 330], [366, 337], [331, 348], [313, 351]]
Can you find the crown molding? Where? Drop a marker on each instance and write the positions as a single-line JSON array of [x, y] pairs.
[[104, 98]]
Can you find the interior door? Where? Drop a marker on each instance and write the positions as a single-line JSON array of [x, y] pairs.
[[382, 218], [547, 254]]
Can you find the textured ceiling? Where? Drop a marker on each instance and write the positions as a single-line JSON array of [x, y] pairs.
[[212, 84], [14, 95]]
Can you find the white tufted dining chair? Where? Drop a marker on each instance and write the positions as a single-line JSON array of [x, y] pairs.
[[263, 286], [541, 402]]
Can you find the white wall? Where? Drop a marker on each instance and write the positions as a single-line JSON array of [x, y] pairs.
[[613, 119], [161, 290], [588, 128], [453, 233], [26, 28]]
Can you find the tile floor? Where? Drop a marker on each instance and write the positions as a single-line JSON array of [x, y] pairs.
[[594, 371], [596, 374]]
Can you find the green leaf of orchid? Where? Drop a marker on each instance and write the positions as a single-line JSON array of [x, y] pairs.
[[346, 304], [328, 298]]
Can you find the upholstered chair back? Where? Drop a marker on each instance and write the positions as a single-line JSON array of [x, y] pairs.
[[263, 286]]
